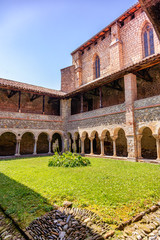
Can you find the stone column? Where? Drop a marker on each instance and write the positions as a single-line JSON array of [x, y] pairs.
[[82, 145], [102, 146], [130, 83], [91, 145], [65, 144], [35, 146], [139, 148], [49, 142], [74, 145], [114, 145], [18, 142], [158, 145]]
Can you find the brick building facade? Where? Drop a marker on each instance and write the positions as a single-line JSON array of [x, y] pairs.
[[109, 99]]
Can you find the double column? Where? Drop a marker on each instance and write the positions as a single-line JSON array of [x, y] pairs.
[[157, 137], [18, 143]]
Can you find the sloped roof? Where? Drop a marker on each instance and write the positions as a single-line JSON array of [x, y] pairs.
[[17, 86], [120, 19]]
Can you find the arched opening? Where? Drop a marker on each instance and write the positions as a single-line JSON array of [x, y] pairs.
[[70, 142], [148, 144], [96, 144], [121, 144], [56, 144], [7, 144], [108, 144], [27, 143], [148, 40], [87, 144], [77, 142], [43, 143]]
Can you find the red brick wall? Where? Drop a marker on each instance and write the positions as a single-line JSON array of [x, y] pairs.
[[67, 79], [27, 106]]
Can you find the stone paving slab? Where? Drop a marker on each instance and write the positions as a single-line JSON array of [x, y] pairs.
[[148, 228], [7, 229]]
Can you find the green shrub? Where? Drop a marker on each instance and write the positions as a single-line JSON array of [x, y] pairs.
[[68, 159]]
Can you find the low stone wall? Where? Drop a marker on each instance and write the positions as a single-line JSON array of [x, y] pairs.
[[30, 121], [106, 116], [147, 110], [147, 102]]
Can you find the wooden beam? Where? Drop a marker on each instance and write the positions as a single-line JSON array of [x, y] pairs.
[[100, 97], [43, 104], [12, 93], [19, 102], [81, 102], [34, 96], [144, 74]]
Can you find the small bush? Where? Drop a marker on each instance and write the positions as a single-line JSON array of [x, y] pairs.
[[68, 159]]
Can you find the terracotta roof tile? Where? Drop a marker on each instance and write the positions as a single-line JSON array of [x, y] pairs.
[[28, 87]]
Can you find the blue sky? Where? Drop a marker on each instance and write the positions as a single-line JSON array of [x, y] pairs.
[[37, 36]]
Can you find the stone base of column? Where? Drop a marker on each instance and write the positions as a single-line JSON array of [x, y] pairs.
[[34, 153], [91, 154], [132, 159], [102, 155], [49, 153], [17, 155]]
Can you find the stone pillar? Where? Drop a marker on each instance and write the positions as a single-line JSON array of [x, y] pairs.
[[91, 145], [82, 145], [114, 146], [49, 141], [130, 83], [139, 148], [116, 51], [77, 62], [102, 146], [35, 146], [18, 142]]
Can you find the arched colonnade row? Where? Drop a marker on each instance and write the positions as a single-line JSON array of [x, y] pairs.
[[29, 143], [115, 143], [148, 143]]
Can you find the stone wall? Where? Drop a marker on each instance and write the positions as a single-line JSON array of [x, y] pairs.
[[29, 121], [68, 79], [106, 116]]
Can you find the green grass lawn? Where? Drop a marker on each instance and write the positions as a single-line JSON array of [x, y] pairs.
[[114, 189]]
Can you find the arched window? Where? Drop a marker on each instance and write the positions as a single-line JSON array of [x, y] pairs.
[[97, 67], [148, 41]]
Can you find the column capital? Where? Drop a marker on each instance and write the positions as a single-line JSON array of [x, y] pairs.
[[82, 139], [114, 137], [139, 137], [156, 136]]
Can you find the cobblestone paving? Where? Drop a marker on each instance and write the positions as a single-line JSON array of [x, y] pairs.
[[7, 230], [147, 229]]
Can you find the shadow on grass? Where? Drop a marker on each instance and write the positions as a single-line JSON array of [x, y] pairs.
[[24, 205], [9, 158]]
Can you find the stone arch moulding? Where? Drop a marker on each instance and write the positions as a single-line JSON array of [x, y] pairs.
[[8, 130]]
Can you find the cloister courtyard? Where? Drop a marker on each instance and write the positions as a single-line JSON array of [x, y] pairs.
[[114, 190]]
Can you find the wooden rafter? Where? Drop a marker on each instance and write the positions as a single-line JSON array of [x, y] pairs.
[[34, 97], [11, 93], [144, 74], [114, 85], [51, 100]]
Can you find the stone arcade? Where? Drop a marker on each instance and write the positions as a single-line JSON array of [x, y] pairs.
[[109, 103]]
